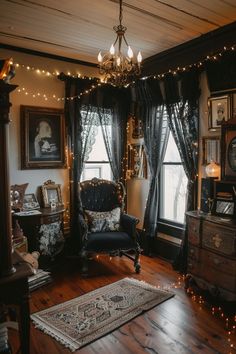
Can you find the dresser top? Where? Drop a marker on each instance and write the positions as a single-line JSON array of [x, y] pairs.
[[227, 221]]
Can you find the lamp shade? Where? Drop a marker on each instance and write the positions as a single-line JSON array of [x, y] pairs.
[[212, 169]]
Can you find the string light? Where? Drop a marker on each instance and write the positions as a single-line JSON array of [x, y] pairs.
[[55, 73]]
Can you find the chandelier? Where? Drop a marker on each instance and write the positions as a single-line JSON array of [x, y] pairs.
[[119, 69]]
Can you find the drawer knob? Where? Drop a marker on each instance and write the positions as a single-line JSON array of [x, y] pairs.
[[217, 240]]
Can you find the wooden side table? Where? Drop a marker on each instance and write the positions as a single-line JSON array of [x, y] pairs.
[[14, 292], [44, 232]]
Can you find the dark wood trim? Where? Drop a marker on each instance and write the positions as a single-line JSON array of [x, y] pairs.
[[47, 55], [192, 51], [166, 249], [6, 266]]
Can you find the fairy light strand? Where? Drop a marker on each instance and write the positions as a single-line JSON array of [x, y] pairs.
[[55, 73]]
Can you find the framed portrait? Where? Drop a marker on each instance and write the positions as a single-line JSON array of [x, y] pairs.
[[30, 202], [42, 138], [219, 110], [228, 150], [137, 162], [51, 193], [210, 149]]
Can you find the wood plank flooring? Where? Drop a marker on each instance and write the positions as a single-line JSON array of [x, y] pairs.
[[180, 325]]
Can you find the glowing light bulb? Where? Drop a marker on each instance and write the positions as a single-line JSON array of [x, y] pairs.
[[130, 52], [118, 61], [99, 57], [112, 50], [139, 57]]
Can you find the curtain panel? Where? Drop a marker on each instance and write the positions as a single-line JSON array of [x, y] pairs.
[[181, 96], [83, 112], [78, 139], [148, 96]]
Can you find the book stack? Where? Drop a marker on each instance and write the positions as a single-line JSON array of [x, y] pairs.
[[224, 195], [39, 279]]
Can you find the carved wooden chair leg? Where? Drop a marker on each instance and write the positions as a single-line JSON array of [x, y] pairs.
[[137, 265], [84, 257]]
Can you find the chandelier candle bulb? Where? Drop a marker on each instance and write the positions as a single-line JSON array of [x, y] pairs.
[[112, 50], [130, 52]]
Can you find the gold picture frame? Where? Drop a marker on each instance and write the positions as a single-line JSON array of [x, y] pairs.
[[51, 193]]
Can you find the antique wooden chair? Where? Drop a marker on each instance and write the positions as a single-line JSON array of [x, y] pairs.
[[109, 229]]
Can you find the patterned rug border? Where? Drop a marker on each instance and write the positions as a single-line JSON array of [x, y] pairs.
[[74, 344]]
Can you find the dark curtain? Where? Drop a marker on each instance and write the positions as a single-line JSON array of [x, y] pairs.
[[79, 130], [221, 73], [181, 97], [113, 108], [90, 107], [152, 113]]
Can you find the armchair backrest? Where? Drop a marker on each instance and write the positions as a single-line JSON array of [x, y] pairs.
[[101, 195]]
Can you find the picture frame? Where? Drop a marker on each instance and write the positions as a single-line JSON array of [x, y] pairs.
[[210, 149], [224, 208], [219, 110], [42, 138], [51, 193], [228, 150], [137, 161], [30, 202]]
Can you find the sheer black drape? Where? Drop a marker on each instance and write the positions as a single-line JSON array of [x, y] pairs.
[[103, 105], [181, 97], [156, 132], [78, 129], [113, 108]]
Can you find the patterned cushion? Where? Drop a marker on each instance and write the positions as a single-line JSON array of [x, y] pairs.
[[103, 221]]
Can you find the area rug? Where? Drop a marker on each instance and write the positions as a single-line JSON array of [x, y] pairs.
[[80, 321]]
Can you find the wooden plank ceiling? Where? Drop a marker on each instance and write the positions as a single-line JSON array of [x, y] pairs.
[[79, 29]]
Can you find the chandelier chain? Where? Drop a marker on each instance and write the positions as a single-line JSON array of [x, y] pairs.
[[121, 13]]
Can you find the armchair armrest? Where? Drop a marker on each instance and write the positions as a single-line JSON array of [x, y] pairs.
[[128, 224]]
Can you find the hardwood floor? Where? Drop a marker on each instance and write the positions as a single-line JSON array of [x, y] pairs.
[[180, 325]]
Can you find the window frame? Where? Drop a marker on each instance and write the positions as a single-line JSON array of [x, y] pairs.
[[167, 226]]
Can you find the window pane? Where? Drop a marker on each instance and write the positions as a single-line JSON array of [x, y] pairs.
[[173, 193], [172, 153], [98, 152], [98, 170]]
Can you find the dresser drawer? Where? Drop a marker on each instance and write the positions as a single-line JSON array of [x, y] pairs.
[[49, 219], [219, 238], [193, 230], [215, 269]]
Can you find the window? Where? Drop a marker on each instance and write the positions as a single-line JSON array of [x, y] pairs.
[[97, 163], [173, 187]]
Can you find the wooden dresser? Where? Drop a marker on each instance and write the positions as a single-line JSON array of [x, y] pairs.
[[212, 253]]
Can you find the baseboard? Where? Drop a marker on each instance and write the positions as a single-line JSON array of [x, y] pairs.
[[167, 247], [164, 246]]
